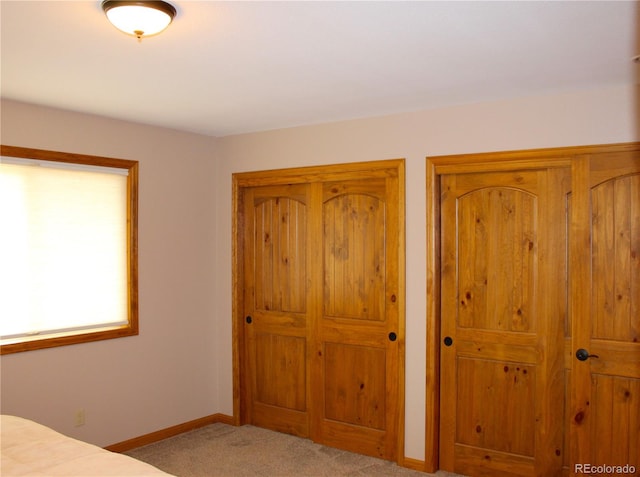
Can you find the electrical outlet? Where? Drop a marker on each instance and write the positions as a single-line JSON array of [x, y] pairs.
[[80, 417]]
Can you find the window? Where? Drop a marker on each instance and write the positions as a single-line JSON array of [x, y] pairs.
[[68, 248]]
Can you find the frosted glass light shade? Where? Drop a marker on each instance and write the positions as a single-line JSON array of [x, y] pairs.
[[141, 18]]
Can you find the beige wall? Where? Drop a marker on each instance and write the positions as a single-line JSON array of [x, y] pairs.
[[579, 118], [166, 375], [179, 368]]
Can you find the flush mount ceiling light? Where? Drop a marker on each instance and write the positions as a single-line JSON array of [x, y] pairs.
[[141, 18]]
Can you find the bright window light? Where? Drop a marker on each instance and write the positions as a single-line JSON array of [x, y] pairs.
[[64, 249]]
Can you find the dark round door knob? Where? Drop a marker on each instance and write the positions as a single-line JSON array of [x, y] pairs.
[[248, 319], [393, 336], [583, 355], [448, 341]]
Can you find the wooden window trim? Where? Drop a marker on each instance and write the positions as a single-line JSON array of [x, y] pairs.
[[97, 334]]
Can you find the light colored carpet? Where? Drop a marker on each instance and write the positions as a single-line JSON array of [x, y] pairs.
[[220, 450]]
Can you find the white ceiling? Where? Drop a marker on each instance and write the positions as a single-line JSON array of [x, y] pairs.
[[231, 67]]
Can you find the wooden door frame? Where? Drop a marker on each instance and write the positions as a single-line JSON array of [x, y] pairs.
[[460, 163], [581, 414], [300, 175], [437, 166]]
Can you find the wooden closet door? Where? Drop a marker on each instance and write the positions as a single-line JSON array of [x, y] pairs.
[[605, 276], [319, 307], [503, 310], [356, 391], [277, 307]]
